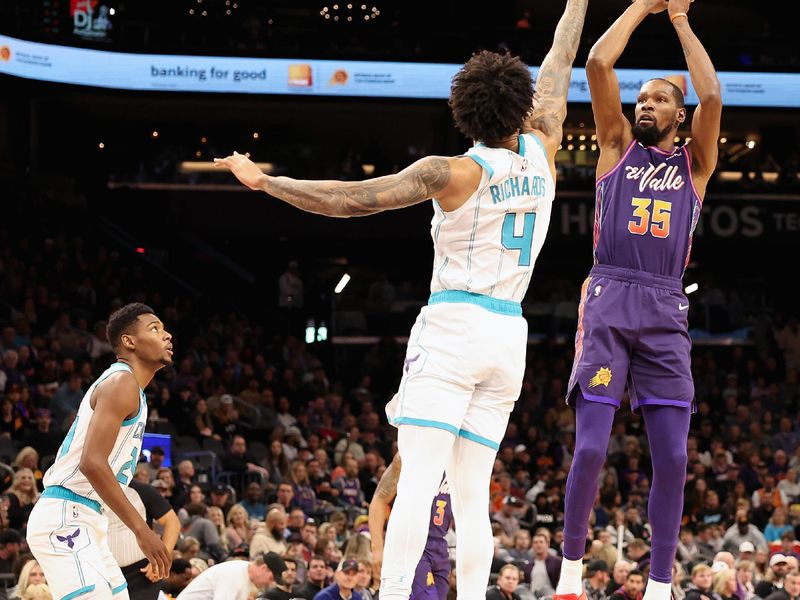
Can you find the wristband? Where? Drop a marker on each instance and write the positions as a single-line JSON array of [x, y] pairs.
[[676, 15]]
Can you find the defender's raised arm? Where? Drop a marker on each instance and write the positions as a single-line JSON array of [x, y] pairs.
[[552, 82]]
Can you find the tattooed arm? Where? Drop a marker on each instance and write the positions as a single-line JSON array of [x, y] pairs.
[[552, 82], [379, 509], [416, 183], [708, 114]]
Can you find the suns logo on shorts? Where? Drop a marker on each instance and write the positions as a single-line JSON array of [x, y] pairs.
[[429, 580], [602, 377]]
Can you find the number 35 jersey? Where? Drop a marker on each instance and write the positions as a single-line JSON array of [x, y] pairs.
[[65, 471], [489, 245], [646, 211]]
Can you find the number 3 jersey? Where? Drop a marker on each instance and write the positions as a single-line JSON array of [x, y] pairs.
[[489, 245], [66, 472], [646, 211]]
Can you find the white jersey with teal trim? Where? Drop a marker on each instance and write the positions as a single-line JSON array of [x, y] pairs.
[[66, 472], [489, 245]]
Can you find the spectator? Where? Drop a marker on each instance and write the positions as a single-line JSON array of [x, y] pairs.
[[725, 584], [276, 462], [236, 578], [221, 497], [639, 553], [790, 590], [507, 584], [632, 588], [521, 553], [10, 542], [204, 531], [742, 531], [777, 525], [155, 462], [225, 420], [186, 479], [543, 572], [238, 532], [744, 578], [596, 580], [368, 584], [30, 574], [28, 458], [269, 536], [253, 502], [22, 498], [11, 424], [346, 578], [508, 515], [285, 496], [283, 590], [778, 567], [349, 443], [768, 494], [165, 476], [701, 584], [350, 494], [217, 517], [65, 402], [44, 437], [790, 486], [303, 494], [315, 579], [238, 460]]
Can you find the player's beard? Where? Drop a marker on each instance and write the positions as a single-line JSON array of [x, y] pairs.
[[650, 135]]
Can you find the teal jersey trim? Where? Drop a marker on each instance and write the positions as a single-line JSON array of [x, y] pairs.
[[80, 592], [495, 305], [474, 437], [62, 493], [538, 142], [119, 588], [483, 164], [426, 423]]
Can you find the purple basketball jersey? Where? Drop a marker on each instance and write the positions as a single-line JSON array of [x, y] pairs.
[[646, 211], [431, 579], [441, 517]]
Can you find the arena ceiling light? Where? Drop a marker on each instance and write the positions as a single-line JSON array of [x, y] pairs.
[[342, 284]]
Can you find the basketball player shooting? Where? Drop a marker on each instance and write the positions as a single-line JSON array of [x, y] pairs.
[[632, 321]]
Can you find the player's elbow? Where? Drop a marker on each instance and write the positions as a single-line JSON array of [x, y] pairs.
[[711, 96], [90, 467], [597, 64]]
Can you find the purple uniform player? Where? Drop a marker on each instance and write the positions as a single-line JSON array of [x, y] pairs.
[[632, 322], [431, 578]]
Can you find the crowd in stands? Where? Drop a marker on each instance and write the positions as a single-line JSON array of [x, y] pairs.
[[273, 451]]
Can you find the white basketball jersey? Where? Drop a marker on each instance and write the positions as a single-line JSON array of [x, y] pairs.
[[65, 471], [489, 245]]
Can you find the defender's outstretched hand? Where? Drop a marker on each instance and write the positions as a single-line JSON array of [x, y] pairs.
[[243, 168]]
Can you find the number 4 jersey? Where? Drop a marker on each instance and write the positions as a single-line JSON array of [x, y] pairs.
[[489, 245], [66, 472], [646, 211]]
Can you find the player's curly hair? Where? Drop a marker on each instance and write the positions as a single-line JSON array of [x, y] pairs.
[[490, 96]]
